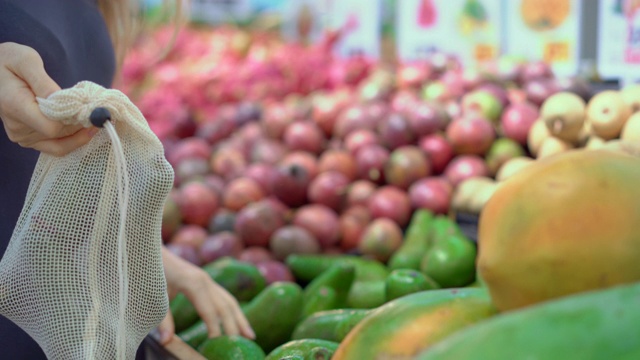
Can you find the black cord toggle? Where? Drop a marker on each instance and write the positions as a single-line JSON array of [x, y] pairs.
[[99, 116]]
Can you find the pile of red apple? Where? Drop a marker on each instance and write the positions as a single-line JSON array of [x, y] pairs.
[[282, 149]]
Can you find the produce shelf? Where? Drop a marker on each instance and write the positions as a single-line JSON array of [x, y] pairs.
[[176, 349]]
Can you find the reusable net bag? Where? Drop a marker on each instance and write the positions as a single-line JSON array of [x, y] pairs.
[[83, 271]]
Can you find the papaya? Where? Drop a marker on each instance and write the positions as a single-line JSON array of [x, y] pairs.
[[402, 282], [305, 349], [231, 348], [331, 325], [329, 290], [274, 313], [406, 326], [243, 280], [307, 267], [415, 244], [564, 225], [598, 324]]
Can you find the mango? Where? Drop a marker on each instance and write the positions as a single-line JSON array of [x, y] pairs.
[[564, 225], [600, 324]]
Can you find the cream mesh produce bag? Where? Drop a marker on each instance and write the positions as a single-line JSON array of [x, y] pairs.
[[83, 272]]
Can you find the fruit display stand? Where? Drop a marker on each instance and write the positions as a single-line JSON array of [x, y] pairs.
[[317, 198], [176, 349]]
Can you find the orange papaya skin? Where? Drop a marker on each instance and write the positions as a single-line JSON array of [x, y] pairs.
[[566, 224], [406, 326]]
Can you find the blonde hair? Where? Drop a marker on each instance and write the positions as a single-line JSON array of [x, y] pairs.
[[124, 22]]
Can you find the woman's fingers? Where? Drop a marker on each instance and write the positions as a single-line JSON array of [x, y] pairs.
[[22, 78], [65, 145], [202, 299], [225, 306], [27, 64], [166, 329]]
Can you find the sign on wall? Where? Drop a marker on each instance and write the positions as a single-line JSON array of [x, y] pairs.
[[469, 29], [619, 39], [546, 30]]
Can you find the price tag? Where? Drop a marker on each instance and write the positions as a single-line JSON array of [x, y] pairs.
[[221, 11], [485, 52], [547, 30], [556, 52], [469, 29]]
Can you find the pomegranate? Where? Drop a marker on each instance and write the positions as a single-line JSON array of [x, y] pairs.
[[190, 169], [320, 221], [433, 193], [439, 151], [220, 245], [240, 192], [360, 138], [426, 118], [215, 183], [392, 203], [256, 223], [277, 117], [517, 119], [329, 189], [255, 255], [302, 159], [359, 192], [290, 184], [192, 235], [171, 218], [267, 151], [465, 166], [406, 164], [370, 161], [338, 160], [292, 239], [381, 239], [216, 130], [228, 163], [223, 220], [471, 135], [497, 91], [413, 75], [352, 226], [325, 112], [197, 203], [186, 252], [351, 119], [188, 148], [261, 173], [275, 271], [394, 132], [304, 136], [403, 100]]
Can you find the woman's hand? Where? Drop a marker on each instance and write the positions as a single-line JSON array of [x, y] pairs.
[[214, 304], [22, 79]]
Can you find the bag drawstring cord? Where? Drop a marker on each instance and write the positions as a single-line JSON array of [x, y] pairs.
[[100, 117]]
